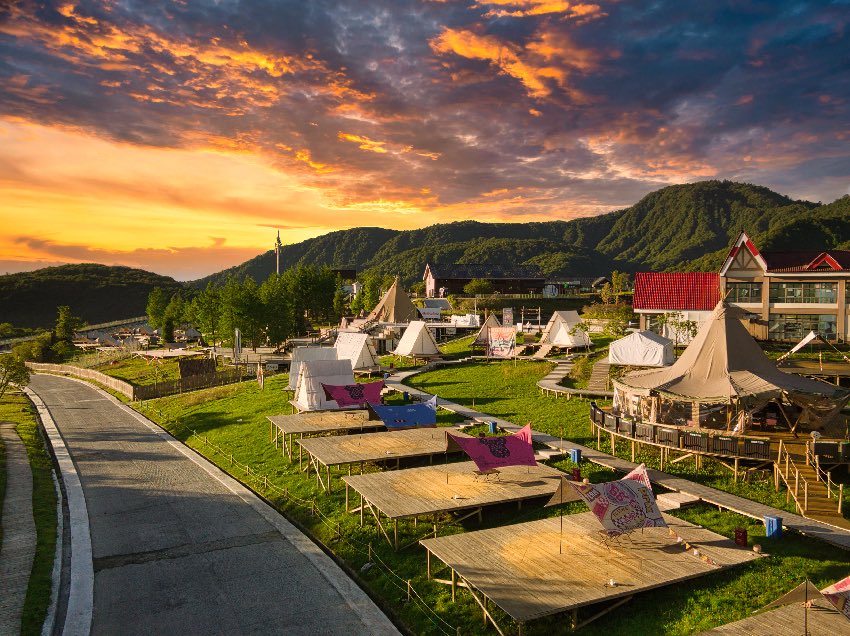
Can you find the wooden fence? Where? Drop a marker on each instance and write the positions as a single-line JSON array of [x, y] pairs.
[[147, 392]]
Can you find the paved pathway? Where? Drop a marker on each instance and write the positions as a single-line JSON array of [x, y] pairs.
[[825, 532], [179, 547], [19, 536]]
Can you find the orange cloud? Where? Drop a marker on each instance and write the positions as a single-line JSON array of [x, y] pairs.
[[364, 143], [525, 8]]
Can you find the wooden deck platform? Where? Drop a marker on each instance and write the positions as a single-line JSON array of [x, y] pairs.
[[822, 620], [432, 490], [325, 452], [284, 428], [555, 565]]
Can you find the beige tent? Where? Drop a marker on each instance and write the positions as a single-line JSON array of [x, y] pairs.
[[394, 307], [417, 340], [482, 339], [722, 374], [642, 349], [358, 348], [300, 354], [557, 331], [309, 394]]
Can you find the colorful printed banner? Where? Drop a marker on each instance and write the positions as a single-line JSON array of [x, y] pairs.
[[839, 595], [398, 418], [621, 506], [490, 453], [432, 403], [566, 493], [501, 342], [640, 475], [354, 394]]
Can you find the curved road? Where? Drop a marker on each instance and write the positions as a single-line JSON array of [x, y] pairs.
[[180, 548]]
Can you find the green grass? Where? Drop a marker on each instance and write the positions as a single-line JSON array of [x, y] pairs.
[[229, 422], [2, 484], [16, 408], [141, 372]]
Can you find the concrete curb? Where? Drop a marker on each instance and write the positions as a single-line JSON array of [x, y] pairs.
[[78, 617], [49, 624], [359, 602]]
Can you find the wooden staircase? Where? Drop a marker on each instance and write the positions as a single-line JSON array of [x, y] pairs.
[[543, 351], [599, 376], [811, 492]]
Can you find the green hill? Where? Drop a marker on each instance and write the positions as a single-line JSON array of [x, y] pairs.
[[679, 227], [95, 293]]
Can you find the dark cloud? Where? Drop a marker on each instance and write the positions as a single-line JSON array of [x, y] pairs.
[[442, 103]]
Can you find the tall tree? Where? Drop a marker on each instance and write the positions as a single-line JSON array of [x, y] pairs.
[[205, 311], [12, 371], [157, 304], [277, 310]]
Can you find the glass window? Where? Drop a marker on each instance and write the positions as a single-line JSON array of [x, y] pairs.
[[795, 326], [744, 292], [803, 293]]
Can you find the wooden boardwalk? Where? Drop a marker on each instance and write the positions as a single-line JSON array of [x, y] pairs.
[[822, 531], [325, 452], [555, 565], [822, 620]]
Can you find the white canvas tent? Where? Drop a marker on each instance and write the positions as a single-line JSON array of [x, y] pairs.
[[557, 331], [394, 307], [358, 348], [642, 349], [482, 339], [309, 394], [300, 354], [417, 340]]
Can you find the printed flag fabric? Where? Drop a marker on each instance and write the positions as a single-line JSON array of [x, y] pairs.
[[839, 595], [501, 342], [397, 418], [432, 403], [354, 394], [640, 475], [621, 506], [490, 453]]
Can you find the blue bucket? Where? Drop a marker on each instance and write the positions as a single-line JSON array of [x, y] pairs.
[[575, 455], [406, 396], [773, 527], [491, 428]]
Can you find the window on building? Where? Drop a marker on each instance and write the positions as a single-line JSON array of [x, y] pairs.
[[825, 293], [795, 326], [744, 292]]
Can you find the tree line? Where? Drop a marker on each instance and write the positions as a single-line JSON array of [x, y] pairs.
[[282, 307]]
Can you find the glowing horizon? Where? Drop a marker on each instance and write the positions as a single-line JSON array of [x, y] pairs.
[[179, 137]]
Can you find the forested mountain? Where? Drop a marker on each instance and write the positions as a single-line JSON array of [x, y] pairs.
[[679, 227], [95, 293]]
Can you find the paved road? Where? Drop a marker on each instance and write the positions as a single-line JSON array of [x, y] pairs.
[[180, 548]]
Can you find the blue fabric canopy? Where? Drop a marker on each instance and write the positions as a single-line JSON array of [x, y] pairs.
[[407, 416]]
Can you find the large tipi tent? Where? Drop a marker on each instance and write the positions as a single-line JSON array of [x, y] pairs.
[[482, 339], [642, 349], [358, 348], [394, 307], [300, 354], [417, 341], [721, 378], [309, 393], [557, 331]]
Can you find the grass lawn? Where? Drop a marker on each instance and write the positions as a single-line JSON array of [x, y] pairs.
[[228, 425], [141, 372], [16, 408]]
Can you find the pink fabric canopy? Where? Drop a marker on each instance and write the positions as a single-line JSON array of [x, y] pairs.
[[621, 506], [354, 394], [490, 453]]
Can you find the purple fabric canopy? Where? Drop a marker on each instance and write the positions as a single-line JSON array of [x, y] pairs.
[[354, 394], [489, 453]]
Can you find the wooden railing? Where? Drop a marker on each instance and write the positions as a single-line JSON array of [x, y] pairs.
[[825, 476], [787, 469]]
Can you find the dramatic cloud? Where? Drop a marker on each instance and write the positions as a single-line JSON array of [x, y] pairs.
[[127, 125]]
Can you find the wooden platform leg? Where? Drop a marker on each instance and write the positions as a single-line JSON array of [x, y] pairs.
[[735, 470], [454, 584], [395, 533], [346, 498], [633, 451], [613, 444], [428, 563]]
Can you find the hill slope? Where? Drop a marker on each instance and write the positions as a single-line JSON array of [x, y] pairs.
[[95, 293], [679, 227]]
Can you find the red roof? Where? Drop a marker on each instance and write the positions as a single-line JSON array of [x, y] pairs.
[[677, 291], [807, 261]]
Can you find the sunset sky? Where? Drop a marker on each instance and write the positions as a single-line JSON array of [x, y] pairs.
[[179, 136]]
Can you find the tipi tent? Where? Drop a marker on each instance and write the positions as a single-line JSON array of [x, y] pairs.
[[309, 393], [721, 377], [300, 354], [642, 349], [482, 339], [557, 331], [417, 341], [358, 348], [394, 307]]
